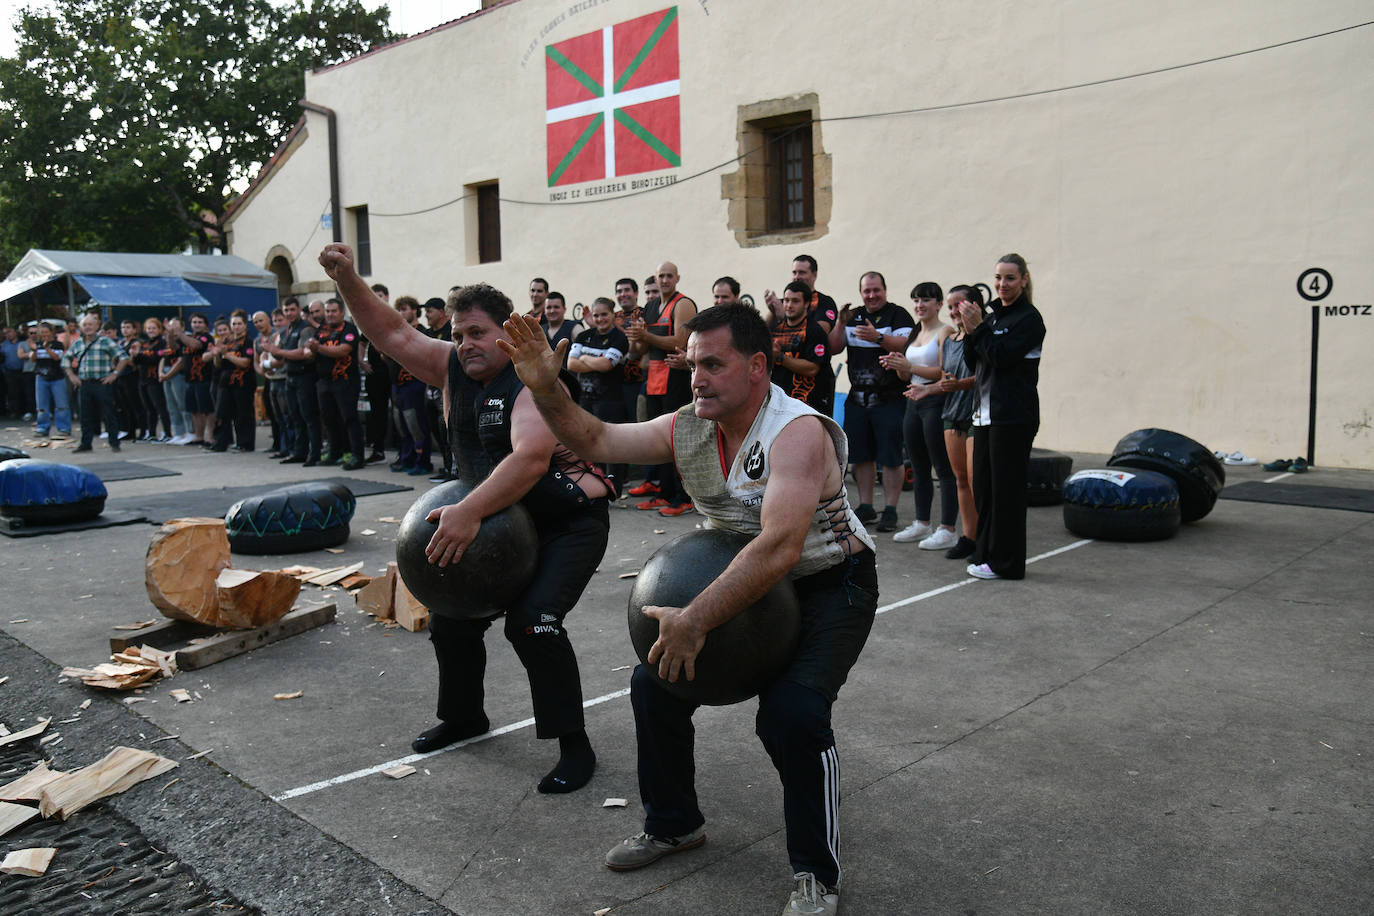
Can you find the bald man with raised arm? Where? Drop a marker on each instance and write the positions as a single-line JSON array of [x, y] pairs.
[[761, 463], [502, 447]]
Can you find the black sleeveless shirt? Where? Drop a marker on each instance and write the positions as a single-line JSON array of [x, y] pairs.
[[479, 435]]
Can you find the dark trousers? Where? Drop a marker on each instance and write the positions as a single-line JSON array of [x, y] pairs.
[[924, 435], [378, 387], [305, 416], [1001, 459], [412, 424], [570, 548], [793, 722], [154, 406], [96, 402], [609, 410], [339, 405], [434, 414], [280, 392], [18, 393], [234, 417], [271, 410], [128, 406]]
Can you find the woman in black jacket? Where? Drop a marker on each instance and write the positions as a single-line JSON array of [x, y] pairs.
[[1003, 350]]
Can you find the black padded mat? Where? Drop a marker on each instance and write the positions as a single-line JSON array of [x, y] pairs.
[[215, 502], [107, 519], [109, 471], [1297, 494]]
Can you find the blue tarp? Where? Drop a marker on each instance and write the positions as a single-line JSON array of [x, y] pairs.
[[151, 291]]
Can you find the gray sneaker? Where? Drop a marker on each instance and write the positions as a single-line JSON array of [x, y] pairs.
[[642, 849], [812, 898]]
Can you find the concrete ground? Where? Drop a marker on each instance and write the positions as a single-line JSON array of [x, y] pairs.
[[1171, 727]]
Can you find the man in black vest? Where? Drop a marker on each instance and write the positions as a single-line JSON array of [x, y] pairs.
[[507, 451], [300, 381]]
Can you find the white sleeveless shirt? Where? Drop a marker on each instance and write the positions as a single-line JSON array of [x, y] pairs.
[[733, 500]]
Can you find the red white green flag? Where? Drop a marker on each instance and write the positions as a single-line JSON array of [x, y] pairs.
[[612, 101]]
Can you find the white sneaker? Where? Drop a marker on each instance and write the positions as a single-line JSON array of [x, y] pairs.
[[913, 532], [982, 571], [104, 435], [182, 439], [940, 539], [812, 898], [1239, 459]]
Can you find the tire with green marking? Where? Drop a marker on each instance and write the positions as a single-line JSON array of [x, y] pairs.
[[294, 519]]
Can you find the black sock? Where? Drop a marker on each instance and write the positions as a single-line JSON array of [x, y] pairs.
[[575, 765], [445, 733]]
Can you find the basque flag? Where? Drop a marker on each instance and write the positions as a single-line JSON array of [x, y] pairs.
[[612, 101]]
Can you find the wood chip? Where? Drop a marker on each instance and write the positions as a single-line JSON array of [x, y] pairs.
[[390, 518], [297, 694], [333, 550], [628, 575], [12, 816], [30, 785], [32, 862], [614, 803], [136, 625], [660, 531], [27, 733], [85, 704], [367, 532], [121, 769], [331, 576], [5, 678], [181, 695], [199, 754], [400, 771]]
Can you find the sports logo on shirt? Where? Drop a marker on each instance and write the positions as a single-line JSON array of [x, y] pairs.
[[820, 349], [753, 461]]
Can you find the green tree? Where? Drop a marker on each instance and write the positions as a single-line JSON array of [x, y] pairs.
[[124, 123]]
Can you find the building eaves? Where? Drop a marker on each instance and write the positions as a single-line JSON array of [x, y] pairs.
[[417, 36]]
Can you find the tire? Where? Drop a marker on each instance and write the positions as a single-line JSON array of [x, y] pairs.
[[1197, 472], [47, 493], [1045, 477], [294, 519], [9, 453], [1122, 504]]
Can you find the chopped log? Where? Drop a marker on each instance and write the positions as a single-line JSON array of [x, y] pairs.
[[185, 556], [32, 862], [377, 596], [27, 787], [27, 733], [248, 598], [410, 613], [120, 769], [12, 816]]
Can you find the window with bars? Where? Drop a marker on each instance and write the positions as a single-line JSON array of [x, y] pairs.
[[791, 189], [488, 223], [782, 192], [362, 240]]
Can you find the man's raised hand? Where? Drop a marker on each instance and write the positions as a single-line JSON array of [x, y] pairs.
[[529, 352], [336, 259]]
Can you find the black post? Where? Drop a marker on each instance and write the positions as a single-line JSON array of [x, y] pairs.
[[1312, 390]]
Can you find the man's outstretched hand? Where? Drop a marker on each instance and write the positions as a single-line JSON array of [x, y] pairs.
[[528, 349], [337, 260]]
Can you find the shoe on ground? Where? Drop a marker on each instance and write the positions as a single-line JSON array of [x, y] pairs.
[[1279, 464], [126, 434], [441, 477], [888, 522], [658, 502], [812, 898], [642, 849], [982, 571], [865, 513], [59, 436], [83, 447], [114, 446], [940, 539], [1299, 466], [310, 462], [913, 532], [964, 548], [353, 464], [418, 471], [328, 461], [1240, 459], [102, 435], [375, 457], [28, 418], [675, 510], [399, 467], [647, 488], [163, 439]]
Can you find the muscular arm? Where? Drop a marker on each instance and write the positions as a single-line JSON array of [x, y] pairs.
[[424, 357], [798, 458], [588, 437]]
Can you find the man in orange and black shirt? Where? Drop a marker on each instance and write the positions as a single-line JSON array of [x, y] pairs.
[[339, 382], [408, 411], [800, 350]]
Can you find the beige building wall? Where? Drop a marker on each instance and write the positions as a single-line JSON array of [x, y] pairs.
[[1166, 217]]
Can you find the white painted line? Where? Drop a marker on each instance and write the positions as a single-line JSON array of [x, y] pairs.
[[1280, 477], [526, 723], [412, 758], [970, 580]]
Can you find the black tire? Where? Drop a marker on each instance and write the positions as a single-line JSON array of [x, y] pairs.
[[294, 519], [1121, 504], [8, 453], [1197, 472], [49, 493], [1045, 477]]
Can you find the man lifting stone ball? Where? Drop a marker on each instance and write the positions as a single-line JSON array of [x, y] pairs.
[[503, 447], [755, 461]]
